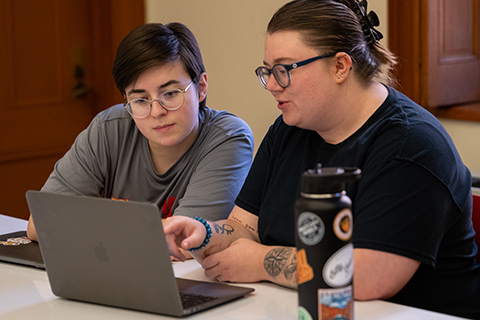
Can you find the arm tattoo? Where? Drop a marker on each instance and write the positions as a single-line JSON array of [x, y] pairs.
[[247, 226], [276, 260], [290, 271], [221, 229], [236, 219]]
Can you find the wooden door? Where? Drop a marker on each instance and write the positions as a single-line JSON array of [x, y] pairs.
[[437, 42], [55, 67], [453, 52]]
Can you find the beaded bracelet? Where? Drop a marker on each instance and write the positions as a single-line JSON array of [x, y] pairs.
[[207, 237]]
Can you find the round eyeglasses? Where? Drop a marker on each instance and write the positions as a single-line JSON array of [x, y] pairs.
[[170, 100], [281, 72]]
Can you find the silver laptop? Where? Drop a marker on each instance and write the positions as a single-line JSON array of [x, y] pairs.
[[115, 253]]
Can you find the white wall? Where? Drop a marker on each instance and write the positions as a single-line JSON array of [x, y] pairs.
[[231, 34], [466, 136]]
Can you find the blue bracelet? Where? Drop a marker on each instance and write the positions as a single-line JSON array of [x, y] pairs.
[[207, 237]]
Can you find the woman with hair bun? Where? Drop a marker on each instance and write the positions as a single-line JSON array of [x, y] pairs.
[[413, 237]]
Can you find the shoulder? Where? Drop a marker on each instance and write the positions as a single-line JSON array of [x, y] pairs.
[[114, 113], [401, 130], [223, 132], [111, 126], [403, 123], [405, 131], [224, 122], [113, 119], [401, 109]]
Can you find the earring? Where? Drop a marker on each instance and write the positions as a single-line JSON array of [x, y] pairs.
[[342, 75]]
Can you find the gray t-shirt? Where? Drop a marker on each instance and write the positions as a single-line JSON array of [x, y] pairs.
[[111, 158]]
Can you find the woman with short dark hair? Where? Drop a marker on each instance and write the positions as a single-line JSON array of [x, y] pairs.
[[163, 145]]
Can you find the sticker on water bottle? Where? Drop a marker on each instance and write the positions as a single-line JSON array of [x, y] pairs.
[[311, 228], [343, 225], [338, 270], [335, 304], [303, 314], [304, 270]]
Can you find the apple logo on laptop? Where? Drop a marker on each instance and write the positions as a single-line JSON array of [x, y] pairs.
[[101, 253]]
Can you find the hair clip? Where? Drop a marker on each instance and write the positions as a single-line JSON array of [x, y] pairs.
[[369, 22]]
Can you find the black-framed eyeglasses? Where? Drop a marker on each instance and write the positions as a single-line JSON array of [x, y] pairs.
[[281, 72], [170, 100]]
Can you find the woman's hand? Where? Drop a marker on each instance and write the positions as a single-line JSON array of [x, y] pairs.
[[183, 232], [242, 261]]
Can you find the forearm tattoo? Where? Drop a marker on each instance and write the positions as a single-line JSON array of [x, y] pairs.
[[281, 259], [290, 270], [224, 228], [247, 226]]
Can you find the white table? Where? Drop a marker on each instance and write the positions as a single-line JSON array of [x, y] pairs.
[[25, 294]]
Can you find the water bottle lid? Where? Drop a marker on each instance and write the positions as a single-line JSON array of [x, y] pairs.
[[328, 180]]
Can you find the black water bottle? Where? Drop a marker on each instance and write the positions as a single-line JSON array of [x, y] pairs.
[[323, 231]]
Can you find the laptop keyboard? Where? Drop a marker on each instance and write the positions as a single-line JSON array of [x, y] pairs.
[[190, 300]]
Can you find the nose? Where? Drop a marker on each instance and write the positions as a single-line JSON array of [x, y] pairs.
[[157, 109], [272, 84]]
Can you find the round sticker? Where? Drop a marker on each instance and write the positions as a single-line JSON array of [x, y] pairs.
[[343, 224], [303, 314], [338, 270], [311, 228]]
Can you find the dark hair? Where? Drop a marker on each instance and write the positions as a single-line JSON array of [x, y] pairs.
[[155, 44], [334, 26]]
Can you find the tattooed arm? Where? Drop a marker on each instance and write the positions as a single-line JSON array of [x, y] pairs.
[[280, 263], [234, 252], [239, 225], [188, 233]]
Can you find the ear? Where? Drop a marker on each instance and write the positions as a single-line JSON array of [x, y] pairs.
[[343, 65], [202, 86]]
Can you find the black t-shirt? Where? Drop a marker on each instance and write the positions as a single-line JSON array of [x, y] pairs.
[[413, 199]]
